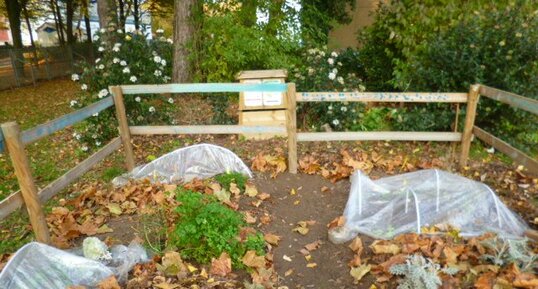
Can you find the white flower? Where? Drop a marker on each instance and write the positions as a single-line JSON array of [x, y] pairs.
[[96, 114], [330, 61], [73, 103], [120, 31], [334, 54], [84, 87], [519, 35], [335, 71], [116, 49], [102, 30], [311, 71], [163, 62], [322, 53], [84, 148], [311, 51], [162, 38], [116, 60], [96, 37], [330, 107], [151, 109], [332, 76], [102, 93], [343, 108], [94, 136], [171, 100], [336, 122], [123, 63], [339, 63], [133, 78], [97, 60], [101, 49], [126, 70], [157, 59], [158, 73], [340, 79], [159, 30], [101, 66], [76, 136], [169, 40], [128, 37], [137, 99], [97, 143], [75, 77]]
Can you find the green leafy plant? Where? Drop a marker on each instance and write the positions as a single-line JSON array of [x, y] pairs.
[[323, 70], [420, 273], [123, 58], [232, 177], [206, 228]]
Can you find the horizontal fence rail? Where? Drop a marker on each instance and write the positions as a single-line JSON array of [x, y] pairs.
[[204, 87], [43, 130], [512, 99], [15, 200], [382, 97], [379, 135], [507, 149], [204, 129]]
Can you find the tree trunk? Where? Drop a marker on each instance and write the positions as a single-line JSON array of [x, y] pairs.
[[136, 14], [107, 13], [28, 25], [60, 23], [248, 12], [88, 29], [53, 8], [69, 11], [275, 16], [184, 35], [121, 18], [13, 8]]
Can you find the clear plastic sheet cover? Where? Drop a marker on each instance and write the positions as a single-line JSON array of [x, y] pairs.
[[184, 164], [37, 266], [405, 203]]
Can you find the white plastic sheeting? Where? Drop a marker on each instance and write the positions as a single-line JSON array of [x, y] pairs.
[[405, 203], [37, 266], [197, 161]]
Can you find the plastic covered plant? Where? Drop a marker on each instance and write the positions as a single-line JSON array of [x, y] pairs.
[[420, 273]]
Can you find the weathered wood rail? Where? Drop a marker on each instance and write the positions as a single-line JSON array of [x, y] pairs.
[[13, 141]]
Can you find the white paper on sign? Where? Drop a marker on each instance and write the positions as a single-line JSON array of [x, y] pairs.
[[272, 98], [253, 98]]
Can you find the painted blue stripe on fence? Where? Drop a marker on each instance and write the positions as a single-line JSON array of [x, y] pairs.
[[42, 130], [204, 87], [2, 143]]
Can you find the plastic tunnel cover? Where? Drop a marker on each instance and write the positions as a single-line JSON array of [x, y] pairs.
[[184, 164], [406, 203]]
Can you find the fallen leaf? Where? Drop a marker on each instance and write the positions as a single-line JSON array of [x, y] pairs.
[[285, 257], [358, 272], [166, 285], [356, 245], [384, 247], [311, 265], [264, 196], [234, 189], [526, 280], [485, 281], [249, 218], [252, 260], [114, 208], [251, 190], [221, 266], [325, 189], [301, 228], [109, 283], [314, 245], [288, 273], [271, 239], [336, 222], [171, 264], [293, 192]]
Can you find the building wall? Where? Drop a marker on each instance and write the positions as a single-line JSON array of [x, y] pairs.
[[344, 36]]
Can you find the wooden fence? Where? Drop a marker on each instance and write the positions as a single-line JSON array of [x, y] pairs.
[[13, 140]]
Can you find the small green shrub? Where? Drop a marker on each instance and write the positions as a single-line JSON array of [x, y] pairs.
[[233, 177], [206, 228], [420, 273]]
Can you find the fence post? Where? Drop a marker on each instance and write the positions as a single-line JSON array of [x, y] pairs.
[[291, 127], [16, 151], [467, 135], [125, 134]]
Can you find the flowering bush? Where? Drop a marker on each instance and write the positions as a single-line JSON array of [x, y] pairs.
[[324, 71], [125, 58]]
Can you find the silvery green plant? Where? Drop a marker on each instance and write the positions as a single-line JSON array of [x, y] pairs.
[[420, 273], [506, 251]]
